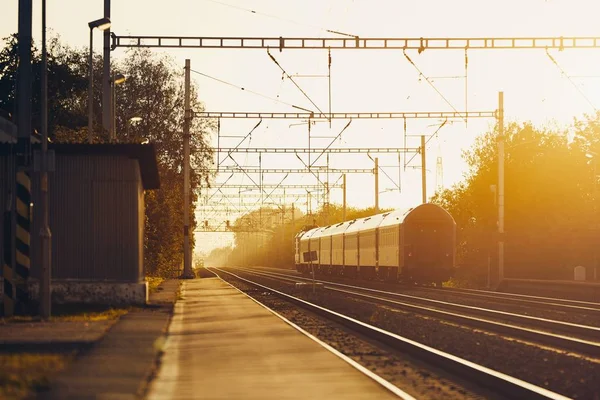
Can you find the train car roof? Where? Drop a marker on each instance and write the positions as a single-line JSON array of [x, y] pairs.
[[369, 223], [308, 234], [340, 228], [324, 231], [395, 217], [429, 211]]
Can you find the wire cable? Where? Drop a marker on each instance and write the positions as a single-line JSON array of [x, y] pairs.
[[562, 71], [432, 85], [428, 139], [251, 11], [249, 91], [294, 82]]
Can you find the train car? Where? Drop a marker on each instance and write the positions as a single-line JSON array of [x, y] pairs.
[[337, 247], [417, 245], [429, 239], [304, 253]]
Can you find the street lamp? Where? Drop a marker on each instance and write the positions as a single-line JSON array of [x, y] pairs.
[[132, 121], [116, 80], [102, 24]]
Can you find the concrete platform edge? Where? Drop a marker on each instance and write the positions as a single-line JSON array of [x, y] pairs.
[[386, 385]]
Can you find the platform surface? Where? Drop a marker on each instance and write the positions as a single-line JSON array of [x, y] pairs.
[[223, 345]]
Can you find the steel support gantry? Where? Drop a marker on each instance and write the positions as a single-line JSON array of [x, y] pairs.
[[366, 150], [347, 115], [315, 169], [356, 43]]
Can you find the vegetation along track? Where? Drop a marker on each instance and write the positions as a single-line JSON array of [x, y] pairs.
[[538, 361], [498, 382]]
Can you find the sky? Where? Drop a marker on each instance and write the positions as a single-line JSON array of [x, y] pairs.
[[361, 80]]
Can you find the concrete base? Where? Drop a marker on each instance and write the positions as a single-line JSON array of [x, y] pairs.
[[90, 292], [308, 286]]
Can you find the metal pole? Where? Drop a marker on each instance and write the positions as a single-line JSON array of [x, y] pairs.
[[106, 98], [423, 171], [24, 78], [595, 191], [500, 186], [91, 89], [376, 185], [344, 198], [112, 135], [187, 259], [20, 218], [329, 78], [45, 233]]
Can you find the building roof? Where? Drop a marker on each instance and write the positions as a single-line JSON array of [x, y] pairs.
[[144, 153]]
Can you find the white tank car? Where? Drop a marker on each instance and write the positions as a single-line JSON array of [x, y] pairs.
[[417, 245]]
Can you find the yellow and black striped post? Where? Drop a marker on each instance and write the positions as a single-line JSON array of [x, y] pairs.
[[8, 300], [22, 236]]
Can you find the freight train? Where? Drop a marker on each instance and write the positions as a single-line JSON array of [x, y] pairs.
[[417, 246]]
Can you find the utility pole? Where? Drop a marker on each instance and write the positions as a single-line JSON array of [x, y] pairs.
[[187, 259], [376, 185], [106, 95], [45, 233], [423, 170], [500, 186], [21, 216], [344, 198]]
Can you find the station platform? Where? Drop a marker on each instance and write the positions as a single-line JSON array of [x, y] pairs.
[[223, 345]]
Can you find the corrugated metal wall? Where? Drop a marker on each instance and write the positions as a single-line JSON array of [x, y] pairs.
[[96, 218]]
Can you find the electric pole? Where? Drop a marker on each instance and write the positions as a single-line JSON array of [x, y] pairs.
[[376, 171], [106, 97], [423, 170], [344, 198], [187, 259], [500, 186], [45, 234]]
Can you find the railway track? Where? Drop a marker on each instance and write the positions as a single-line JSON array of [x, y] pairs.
[[589, 347], [545, 308], [508, 386], [510, 298]]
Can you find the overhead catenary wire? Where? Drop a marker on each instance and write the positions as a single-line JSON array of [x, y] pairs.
[[250, 91], [427, 141], [433, 86], [255, 12], [562, 71], [294, 82]]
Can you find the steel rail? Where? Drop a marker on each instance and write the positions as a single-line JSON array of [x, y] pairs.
[[566, 327], [511, 297], [545, 338], [487, 377], [584, 305]]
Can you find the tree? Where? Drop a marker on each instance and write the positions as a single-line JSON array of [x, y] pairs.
[[548, 205], [154, 91]]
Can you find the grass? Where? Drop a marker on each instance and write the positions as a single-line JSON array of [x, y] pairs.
[[75, 313], [22, 375], [153, 283]]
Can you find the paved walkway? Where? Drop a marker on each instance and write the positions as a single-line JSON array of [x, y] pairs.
[[119, 366], [222, 345]]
